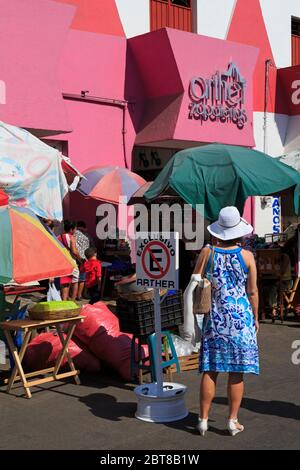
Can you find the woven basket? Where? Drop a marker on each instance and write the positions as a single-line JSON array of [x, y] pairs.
[[202, 298], [148, 295], [136, 295], [54, 315]]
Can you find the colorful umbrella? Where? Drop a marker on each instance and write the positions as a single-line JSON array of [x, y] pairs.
[[3, 198], [28, 251], [138, 196], [108, 183], [31, 172]]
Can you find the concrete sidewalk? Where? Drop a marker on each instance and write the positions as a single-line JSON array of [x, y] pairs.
[[99, 414]]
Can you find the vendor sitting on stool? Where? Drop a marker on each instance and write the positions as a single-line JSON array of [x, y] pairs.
[[92, 269]]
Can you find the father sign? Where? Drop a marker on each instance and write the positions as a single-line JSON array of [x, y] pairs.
[[157, 260]]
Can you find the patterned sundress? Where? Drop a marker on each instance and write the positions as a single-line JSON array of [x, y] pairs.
[[229, 341]]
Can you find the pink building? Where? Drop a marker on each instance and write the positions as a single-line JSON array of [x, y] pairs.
[[97, 80]]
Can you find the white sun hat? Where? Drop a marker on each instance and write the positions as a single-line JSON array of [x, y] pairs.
[[230, 225]]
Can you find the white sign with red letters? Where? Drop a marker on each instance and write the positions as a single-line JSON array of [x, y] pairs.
[[157, 260]]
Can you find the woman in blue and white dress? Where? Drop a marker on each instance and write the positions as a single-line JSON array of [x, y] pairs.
[[229, 341]]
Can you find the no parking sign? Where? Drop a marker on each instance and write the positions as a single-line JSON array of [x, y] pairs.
[[157, 260]]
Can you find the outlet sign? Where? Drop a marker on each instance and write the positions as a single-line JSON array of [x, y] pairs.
[[220, 97]]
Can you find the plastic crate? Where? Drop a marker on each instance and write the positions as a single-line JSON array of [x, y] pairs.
[[137, 317]]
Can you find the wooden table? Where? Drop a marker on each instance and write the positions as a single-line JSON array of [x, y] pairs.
[[19, 290], [28, 327]]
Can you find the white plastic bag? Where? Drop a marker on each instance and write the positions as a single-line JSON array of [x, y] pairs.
[[190, 325], [182, 347], [53, 293]]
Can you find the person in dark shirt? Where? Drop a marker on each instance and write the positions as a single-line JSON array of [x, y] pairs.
[[92, 270]]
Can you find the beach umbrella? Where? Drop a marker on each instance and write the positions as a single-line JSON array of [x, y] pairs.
[[138, 196], [28, 251], [32, 172], [109, 183], [219, 175]]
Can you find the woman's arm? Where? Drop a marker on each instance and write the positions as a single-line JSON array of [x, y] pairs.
[[190, 333], [252, 290], [73, 249], [202, 261]]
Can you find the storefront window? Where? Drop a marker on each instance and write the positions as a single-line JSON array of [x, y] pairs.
[[171, 13], [295, 41], [149, 161]]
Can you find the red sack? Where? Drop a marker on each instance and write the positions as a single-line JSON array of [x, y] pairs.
[[116, 352], [100, 331], [98, 319], [44, 349]]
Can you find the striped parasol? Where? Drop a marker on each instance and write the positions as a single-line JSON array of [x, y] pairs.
[[109, 183], [28, 251]]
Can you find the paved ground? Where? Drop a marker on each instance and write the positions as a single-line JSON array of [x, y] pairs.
[[99, 414]]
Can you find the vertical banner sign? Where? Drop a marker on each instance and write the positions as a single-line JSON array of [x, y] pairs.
[[157, 260], [276, 216]]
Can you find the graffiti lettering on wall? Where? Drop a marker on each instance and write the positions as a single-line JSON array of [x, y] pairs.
[[276, 215], [219, 98], [296, 93]]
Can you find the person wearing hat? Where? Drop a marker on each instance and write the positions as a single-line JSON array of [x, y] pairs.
[[229, 342]]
